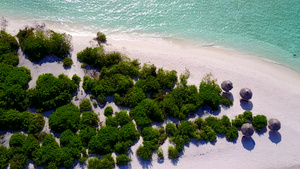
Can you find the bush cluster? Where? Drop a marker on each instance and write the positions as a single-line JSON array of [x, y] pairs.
[[241, 119], [8, 49], [107, 162], [67, 62], [52, 92], [123, 159], [39, 43], [259, 122], [13, 82], [15, 120]]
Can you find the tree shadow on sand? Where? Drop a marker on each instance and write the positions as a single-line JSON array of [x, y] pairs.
[[248, 143], [145, 163], [275, 137]]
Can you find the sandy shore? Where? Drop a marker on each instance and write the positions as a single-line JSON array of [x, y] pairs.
[[276, 94]]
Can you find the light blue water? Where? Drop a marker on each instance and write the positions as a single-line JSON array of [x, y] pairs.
[[268, 28]]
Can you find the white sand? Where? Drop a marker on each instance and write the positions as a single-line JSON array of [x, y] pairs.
[[276, 94]]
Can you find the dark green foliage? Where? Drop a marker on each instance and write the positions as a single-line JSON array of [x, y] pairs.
[[18, 161], [122, 147], [17, 140], [210, 93], [111, 121], [105, 141], [15, 120], [150, 134], [107, 162], [123, 159], [239, 121], [51, 92], [38, 43], [65, 117], [86, 135], [85, 105], [30, 146], [76, 79], [123, 118], [97, 58], [68, 62], [162, 135], [149, 85], [187, 128], [88, 118], [125, 67], [225, 101], [186, 110], [72, 146], [13, 82], [108, 111], [216, 125], [4, 156], [101, 99], [208, 134], [144, 152], [232, 133], [200, 122], [101, 37], [171, 129], [128, 132], [131, 99], [147, 70], [259, 122], [49, 153], [146, 110], [172, 152], [166, 79], [248, 115], [8, 49], [169, 106], [160, 153]]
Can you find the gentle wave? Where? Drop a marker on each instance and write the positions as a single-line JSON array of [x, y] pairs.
[[267, 28]]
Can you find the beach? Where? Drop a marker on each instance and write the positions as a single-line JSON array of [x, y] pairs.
[[276, 94]]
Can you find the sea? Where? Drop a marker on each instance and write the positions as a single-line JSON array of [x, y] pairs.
[[269, 29]]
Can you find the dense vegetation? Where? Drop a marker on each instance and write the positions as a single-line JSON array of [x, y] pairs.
[[13, 83], [52, 92], [37, 43], [8, 49]]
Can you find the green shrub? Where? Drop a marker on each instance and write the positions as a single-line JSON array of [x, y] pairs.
[[144, 152], [8, 49], [111, 121], [232, 133], [160, 153], [65, 117], [51, 92], [225, 101], [85, 105], [121, 147], [38, 43], [208, 134], [123, 159], [107, 162], [76, 79], [131, 99], [259, 122], [18, 161], [108, 111], [105, 141], [89, 118], [128, 132], [187, 128], [239, 121], [248, 115], [101, 37], [123, 118], [101, 99], [171, 129], [210, 92], [86, 135], [172, 152], [67, 62], [13, 81], [4, 156]]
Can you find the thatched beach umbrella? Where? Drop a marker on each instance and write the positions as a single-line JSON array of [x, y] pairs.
[[246, 94], [274, 124], [247, 129], [226, 85]]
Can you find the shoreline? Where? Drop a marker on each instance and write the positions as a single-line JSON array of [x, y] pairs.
[[276, 94]]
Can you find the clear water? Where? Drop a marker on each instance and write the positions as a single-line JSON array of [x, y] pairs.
[[268, 28]]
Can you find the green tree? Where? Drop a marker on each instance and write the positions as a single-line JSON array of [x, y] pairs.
[[259, 122], [85, 105], [123, 159], [172, 152]]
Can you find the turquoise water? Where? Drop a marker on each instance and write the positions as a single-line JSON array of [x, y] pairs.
[[268, 28]]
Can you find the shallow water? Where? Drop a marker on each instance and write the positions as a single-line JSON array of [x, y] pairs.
[[270, 29]]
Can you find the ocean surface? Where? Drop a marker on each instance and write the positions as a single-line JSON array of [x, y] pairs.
[[266, 28]]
